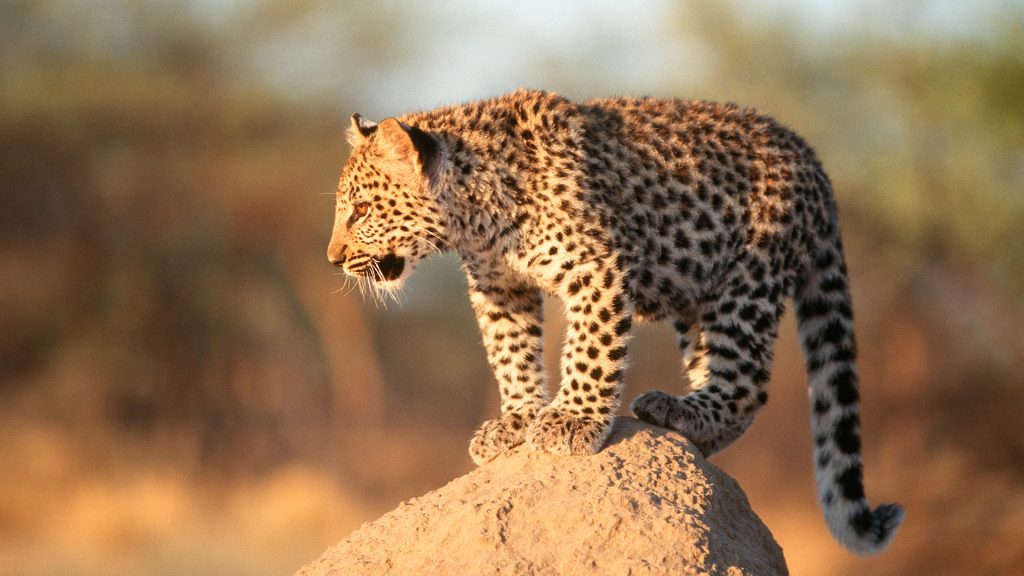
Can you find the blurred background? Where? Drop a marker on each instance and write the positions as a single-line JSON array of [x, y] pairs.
[[185, 389]]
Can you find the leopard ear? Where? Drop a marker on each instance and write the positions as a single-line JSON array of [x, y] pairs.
[[360, 129], [408, 145]]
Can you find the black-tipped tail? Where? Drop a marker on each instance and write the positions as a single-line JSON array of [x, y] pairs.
[[825, 321], [870, 532]]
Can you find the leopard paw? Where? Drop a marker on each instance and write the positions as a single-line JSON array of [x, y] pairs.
[[496, 437], [654, 407], [558, 431]]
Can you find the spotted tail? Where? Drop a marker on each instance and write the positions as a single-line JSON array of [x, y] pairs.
[[825, 319]]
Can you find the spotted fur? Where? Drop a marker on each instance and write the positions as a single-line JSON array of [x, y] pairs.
[[707, 215]]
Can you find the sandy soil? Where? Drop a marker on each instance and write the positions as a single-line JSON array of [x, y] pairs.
[[648, 503]]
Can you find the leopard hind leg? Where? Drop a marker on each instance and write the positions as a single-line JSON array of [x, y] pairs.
[[727, 354]]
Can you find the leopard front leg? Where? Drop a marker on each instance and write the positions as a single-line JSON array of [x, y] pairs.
[[579, 418], [510, 315]]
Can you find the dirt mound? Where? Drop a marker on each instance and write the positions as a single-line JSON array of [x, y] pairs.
[[648, 503]]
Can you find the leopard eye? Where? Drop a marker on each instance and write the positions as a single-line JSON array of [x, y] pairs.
[[360, 210]]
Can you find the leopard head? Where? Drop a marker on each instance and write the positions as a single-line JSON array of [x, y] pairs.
[[387, 215]]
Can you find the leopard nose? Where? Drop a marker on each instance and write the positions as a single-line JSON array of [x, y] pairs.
[[335, 256]]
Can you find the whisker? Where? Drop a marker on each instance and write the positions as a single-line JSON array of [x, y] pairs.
[[377, 276], [433, 246], [360, 281], [396, 293], [347, 285], [435, 235]]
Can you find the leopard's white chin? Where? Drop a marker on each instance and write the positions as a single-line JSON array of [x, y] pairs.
[[370, 279], [391, 285]]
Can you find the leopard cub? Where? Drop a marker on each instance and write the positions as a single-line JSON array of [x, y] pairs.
[[709, 216]]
